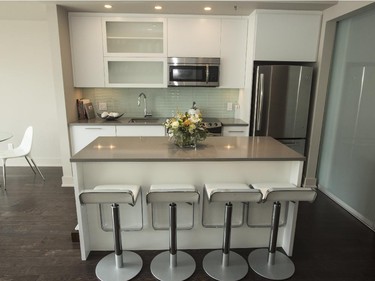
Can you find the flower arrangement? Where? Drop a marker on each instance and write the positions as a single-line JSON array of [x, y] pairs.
[[186, 129]]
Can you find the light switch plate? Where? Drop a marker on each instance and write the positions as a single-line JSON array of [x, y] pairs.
[[102, 106]]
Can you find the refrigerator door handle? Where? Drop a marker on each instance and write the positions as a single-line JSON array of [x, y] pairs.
[[256, 98], [260, 102], [207, 73]]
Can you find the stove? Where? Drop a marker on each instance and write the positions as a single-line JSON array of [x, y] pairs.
[[213, 126]]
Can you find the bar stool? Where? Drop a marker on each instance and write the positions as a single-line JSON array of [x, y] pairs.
[[270, 263], [173, 265], [225, 264], [120, 265]]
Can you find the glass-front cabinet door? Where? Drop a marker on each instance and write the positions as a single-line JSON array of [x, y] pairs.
[[135, 72], [141, 37]]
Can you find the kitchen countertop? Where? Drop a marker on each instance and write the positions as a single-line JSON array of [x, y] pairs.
[[119, 121], [125, 121], [233, 122], [152, 149]]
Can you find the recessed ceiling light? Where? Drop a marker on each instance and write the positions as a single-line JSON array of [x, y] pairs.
[[158, 7], [207, 8], [107, 6]]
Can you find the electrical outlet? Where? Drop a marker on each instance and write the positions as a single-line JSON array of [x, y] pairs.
[[229, 106], [236, 106], [102, 106]]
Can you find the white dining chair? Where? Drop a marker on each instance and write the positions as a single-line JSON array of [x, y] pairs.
[[23, 150]]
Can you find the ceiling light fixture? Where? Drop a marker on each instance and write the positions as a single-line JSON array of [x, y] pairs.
[[207, 8], [158, 7], [107, 6]]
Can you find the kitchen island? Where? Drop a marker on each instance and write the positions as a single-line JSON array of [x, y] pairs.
[[156, 160]]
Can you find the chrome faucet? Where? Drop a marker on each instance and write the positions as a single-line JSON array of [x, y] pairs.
[[145, 112]]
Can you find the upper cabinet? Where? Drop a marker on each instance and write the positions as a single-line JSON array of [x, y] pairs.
[[224, 38], [131, 51], [135, 52], [233, 53], [87, 50], [194, 37], [142, 37], [118, 52], [287, 35], [135, 72]]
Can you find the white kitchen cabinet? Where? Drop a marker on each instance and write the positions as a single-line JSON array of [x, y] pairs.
[[135, 52], [134, 37], [140, 130], [81, 136], [135, 72], [235, 131], [194, 37], [233, 53], [87, 50], [287, 35]]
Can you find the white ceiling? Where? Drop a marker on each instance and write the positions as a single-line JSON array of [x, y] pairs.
[[194, 7], [36, 9]]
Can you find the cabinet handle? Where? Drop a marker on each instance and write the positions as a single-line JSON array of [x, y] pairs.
[[234, 131], [91, 128]]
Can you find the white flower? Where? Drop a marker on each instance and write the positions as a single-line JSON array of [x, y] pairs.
[[194, 118], [175, 124]]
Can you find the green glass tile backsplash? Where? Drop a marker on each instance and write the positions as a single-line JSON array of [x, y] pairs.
[[164, 102]]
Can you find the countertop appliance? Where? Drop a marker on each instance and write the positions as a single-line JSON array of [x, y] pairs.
[[193, 72], [280, 103]]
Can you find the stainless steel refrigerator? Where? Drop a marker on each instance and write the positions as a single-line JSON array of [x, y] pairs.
[[280, 103]]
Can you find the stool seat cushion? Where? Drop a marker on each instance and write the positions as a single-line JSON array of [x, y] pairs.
[[169, 193], [285, 192], [232, 192], [119, 193]]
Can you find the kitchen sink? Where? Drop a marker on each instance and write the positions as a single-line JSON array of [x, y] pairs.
[[146, 120]]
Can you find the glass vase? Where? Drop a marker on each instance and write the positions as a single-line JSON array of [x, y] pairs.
[[185, 141]]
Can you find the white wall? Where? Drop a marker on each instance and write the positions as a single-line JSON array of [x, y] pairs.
[[63, 83], [26, 86]]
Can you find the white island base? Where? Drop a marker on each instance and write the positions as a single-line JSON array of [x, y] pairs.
[[98, 170]]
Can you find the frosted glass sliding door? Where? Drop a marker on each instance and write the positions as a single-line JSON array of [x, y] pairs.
[[347, 158]]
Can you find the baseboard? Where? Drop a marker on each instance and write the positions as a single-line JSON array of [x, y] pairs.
[[67, 181], [349, 209]]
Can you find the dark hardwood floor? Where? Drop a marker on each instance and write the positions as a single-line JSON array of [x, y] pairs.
[[37, 218]]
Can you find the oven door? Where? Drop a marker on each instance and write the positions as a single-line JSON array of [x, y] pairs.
[[215, 131], [193, 75]]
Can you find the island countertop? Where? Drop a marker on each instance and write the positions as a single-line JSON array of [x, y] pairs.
[[152, 149]]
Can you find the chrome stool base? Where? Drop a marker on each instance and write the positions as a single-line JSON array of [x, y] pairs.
[[236, 269], [161, 267], [282, 267], [106, 269]]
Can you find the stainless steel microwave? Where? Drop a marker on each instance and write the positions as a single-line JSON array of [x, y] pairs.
[[193, 72]]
